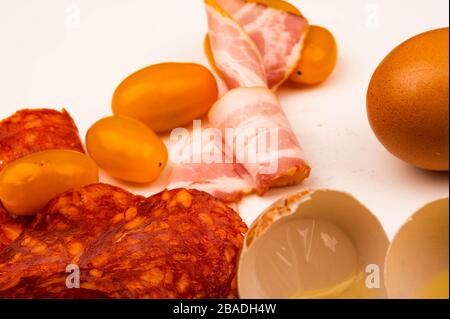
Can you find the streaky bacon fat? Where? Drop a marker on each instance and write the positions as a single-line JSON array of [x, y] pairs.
[[255, 48], [223, 179], [259, 108], [277, 35]]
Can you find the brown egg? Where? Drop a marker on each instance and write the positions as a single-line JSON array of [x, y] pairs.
[[407, 101]]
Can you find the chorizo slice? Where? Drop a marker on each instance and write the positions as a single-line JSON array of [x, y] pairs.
[[30, 131], [176, 244], [27, 132], [35, 118], [10, 228], [57, 237]]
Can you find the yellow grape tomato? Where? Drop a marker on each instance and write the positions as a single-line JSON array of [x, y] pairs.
[[318, 59], [29, 183], [127, 149], [166, 96]]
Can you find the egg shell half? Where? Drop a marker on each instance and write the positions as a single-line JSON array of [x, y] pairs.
[[333, 207], [419, 251]]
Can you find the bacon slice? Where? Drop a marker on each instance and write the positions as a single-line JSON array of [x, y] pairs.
[[255, 48], [222, 181], [278, 159], [220, 177], [236, 55], [237, 27]]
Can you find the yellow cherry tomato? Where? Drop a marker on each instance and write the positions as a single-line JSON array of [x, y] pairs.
[[318, 59], [127, 149], [29, 183], [166, 96]]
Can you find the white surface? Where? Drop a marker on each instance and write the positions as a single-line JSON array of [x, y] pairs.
[[73, 54]]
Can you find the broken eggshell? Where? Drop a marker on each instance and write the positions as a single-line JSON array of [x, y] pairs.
[[315, 244], [417, 261]]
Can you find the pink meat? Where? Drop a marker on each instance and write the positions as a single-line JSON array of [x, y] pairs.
[[276, 147], [236, 56], [278, 36], [201, 169], [255, 48]]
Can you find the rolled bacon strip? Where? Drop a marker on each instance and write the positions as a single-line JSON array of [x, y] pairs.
[[253, 44], [224, 179], [255, 49], [279, 158]]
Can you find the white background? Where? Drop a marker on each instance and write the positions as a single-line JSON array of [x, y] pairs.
[[73, 54]]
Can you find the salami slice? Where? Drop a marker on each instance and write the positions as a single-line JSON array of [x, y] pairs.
[[57, 238], [30, 131], [177, 244], [10, 228], [27, 132]]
